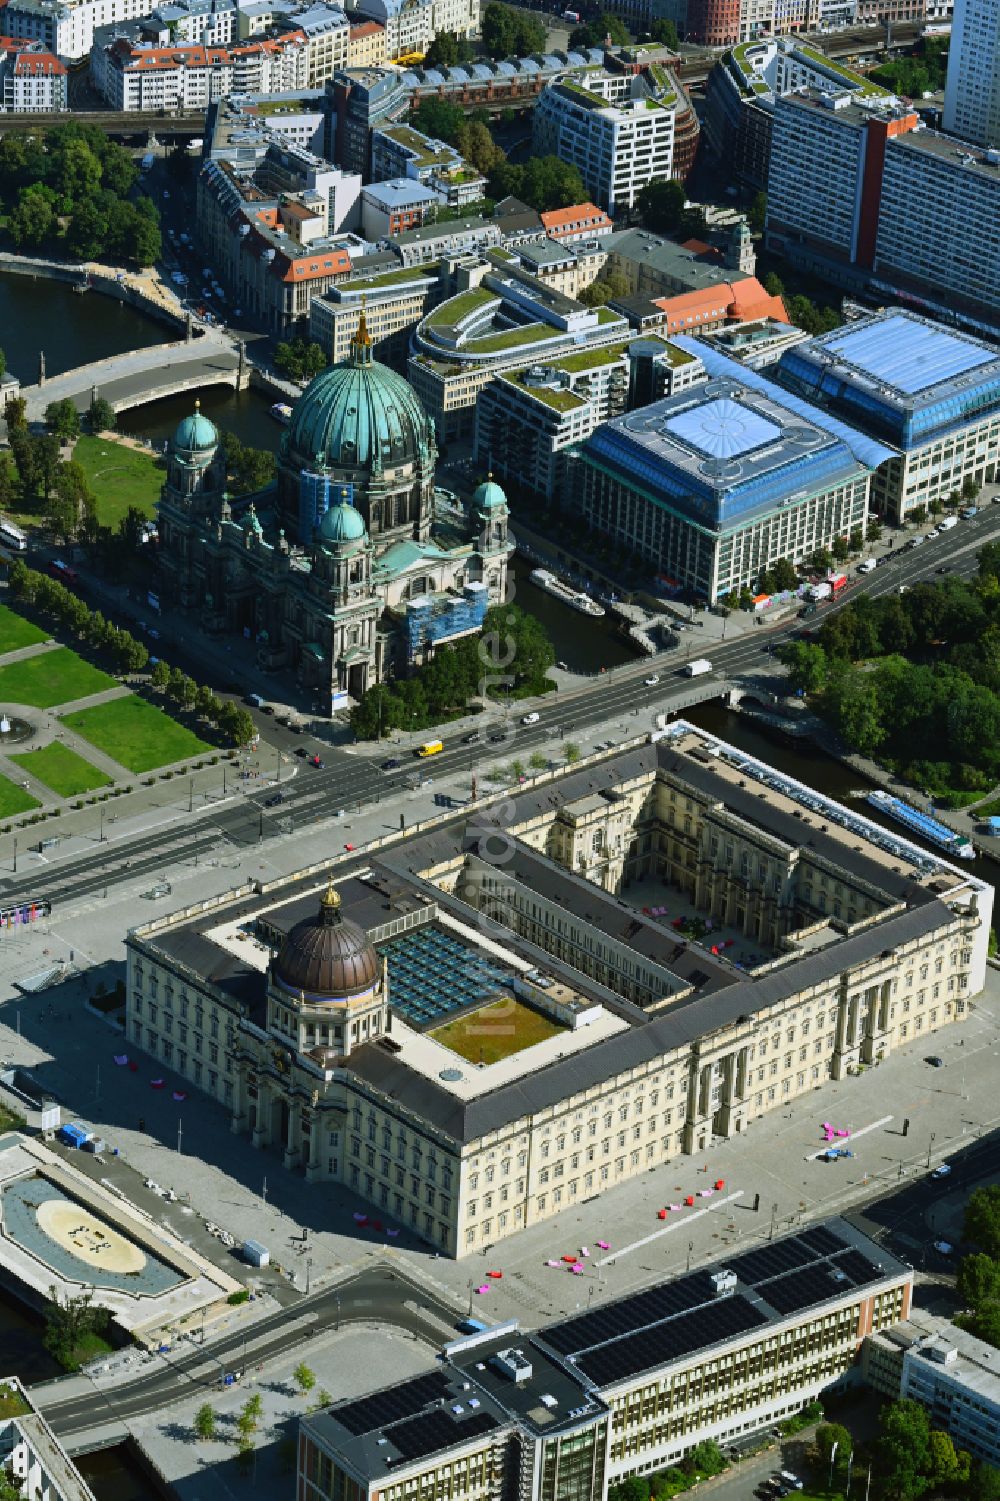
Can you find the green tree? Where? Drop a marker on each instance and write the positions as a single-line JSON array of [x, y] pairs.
[[705, 1459], [509, 32], [160, 675], [604, 290], [300, 360], [255, 1406], [544, 182], [571, 753], [949, 1468], [856, 540], [661, 205], [304, 1378], [757, 214], [828, 1435], [982, 1220], [603, 28], [665, 32], [443, 51], [245, 1452], [477, 145], [242, 727], [970, 489], [439, 119], [32, 219], [15, 409], [101, 416], [873, 531], [978, 1281], [204, 1421], [632, 1488], [808, 668], [840, 549], [901, 1453], [918, 515], [68, 1324], [63, 419]]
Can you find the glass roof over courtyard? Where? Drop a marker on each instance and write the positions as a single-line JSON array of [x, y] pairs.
[[722, 429], [908, 354], [432, 974]]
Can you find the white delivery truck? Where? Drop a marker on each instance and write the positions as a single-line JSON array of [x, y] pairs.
[[947, 524], [697, 668]]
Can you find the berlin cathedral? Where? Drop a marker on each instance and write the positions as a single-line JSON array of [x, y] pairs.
[[345, 570]]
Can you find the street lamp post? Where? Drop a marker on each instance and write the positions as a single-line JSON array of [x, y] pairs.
[[930, 1148]]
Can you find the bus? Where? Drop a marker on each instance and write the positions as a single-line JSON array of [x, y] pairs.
[[430, 748], [12, 537], [64, 573]]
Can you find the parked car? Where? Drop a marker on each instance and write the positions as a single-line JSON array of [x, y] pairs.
[[392, 764], [943, 1170], [935, 1061], [300, 750], [944, 1247]]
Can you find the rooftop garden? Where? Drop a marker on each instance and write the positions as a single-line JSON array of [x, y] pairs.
[[591, 359], [511, 338], [858, 81], [583, 96], [556, 397], [451, 313], [390, 279], [608, 315]]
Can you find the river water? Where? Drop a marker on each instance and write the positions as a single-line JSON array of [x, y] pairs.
[[37, 314], [818, 770]]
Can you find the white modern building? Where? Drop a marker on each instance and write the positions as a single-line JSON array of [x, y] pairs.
[[972, 92], [30, 1454], [192, 77], [948, 1371], [66, 27], [616, 128], [567, 1412], [327, 39], [31, 79], [214, 23], [937, 226], [411, 25]]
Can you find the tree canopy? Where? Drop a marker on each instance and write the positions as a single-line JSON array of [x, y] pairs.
[[510, 32], [596, 32], [67, 189], [544, 182]]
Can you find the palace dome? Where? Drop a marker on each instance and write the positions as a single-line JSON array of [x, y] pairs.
[[195, 434], [357, 415], [327, 957], [342, 522]]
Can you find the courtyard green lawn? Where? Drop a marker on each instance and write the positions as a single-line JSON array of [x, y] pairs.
[[496, 1031], [61, 769], [134, 733], [119, 477], [51, 677], [16, 632], [14, 799]]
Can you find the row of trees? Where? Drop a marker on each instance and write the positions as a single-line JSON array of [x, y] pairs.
[[300, 359], [921, 73], [508, 31], [914, 678], [978, 1281], [68, 611], [802, 311], [513, 654], [67, 189], [704, 1460]]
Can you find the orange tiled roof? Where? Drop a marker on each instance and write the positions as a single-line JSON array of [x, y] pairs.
[[578, 215], [736, 302]]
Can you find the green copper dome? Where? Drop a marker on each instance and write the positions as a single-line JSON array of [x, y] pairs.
[[341, 523], [489, 496], [359, 415], [196, 434]]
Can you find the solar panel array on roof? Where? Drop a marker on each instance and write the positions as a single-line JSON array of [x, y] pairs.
[[392, 1404], [821, 1240], [785, 1255], [672, 1340], [437, 1430], [629, 1314]]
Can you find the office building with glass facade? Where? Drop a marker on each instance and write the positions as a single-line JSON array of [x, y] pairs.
[[625, 1389], [716, 483], [930, 392]]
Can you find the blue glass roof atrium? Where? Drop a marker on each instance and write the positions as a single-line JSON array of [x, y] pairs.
[[433, 973], [722, 454], [897, 375]]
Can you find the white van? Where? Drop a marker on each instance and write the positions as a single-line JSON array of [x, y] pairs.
[[868, 566]]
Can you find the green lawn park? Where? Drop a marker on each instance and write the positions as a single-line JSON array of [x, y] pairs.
[[16, 632], [14, 799], [61, 769], [135, 733], [51, 677], [119, 477]]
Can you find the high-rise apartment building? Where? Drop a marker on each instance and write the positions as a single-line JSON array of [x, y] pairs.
[[825, 175], [972, 93]]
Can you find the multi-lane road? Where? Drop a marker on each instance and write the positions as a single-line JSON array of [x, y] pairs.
[[383, 1295], [619, 702]]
